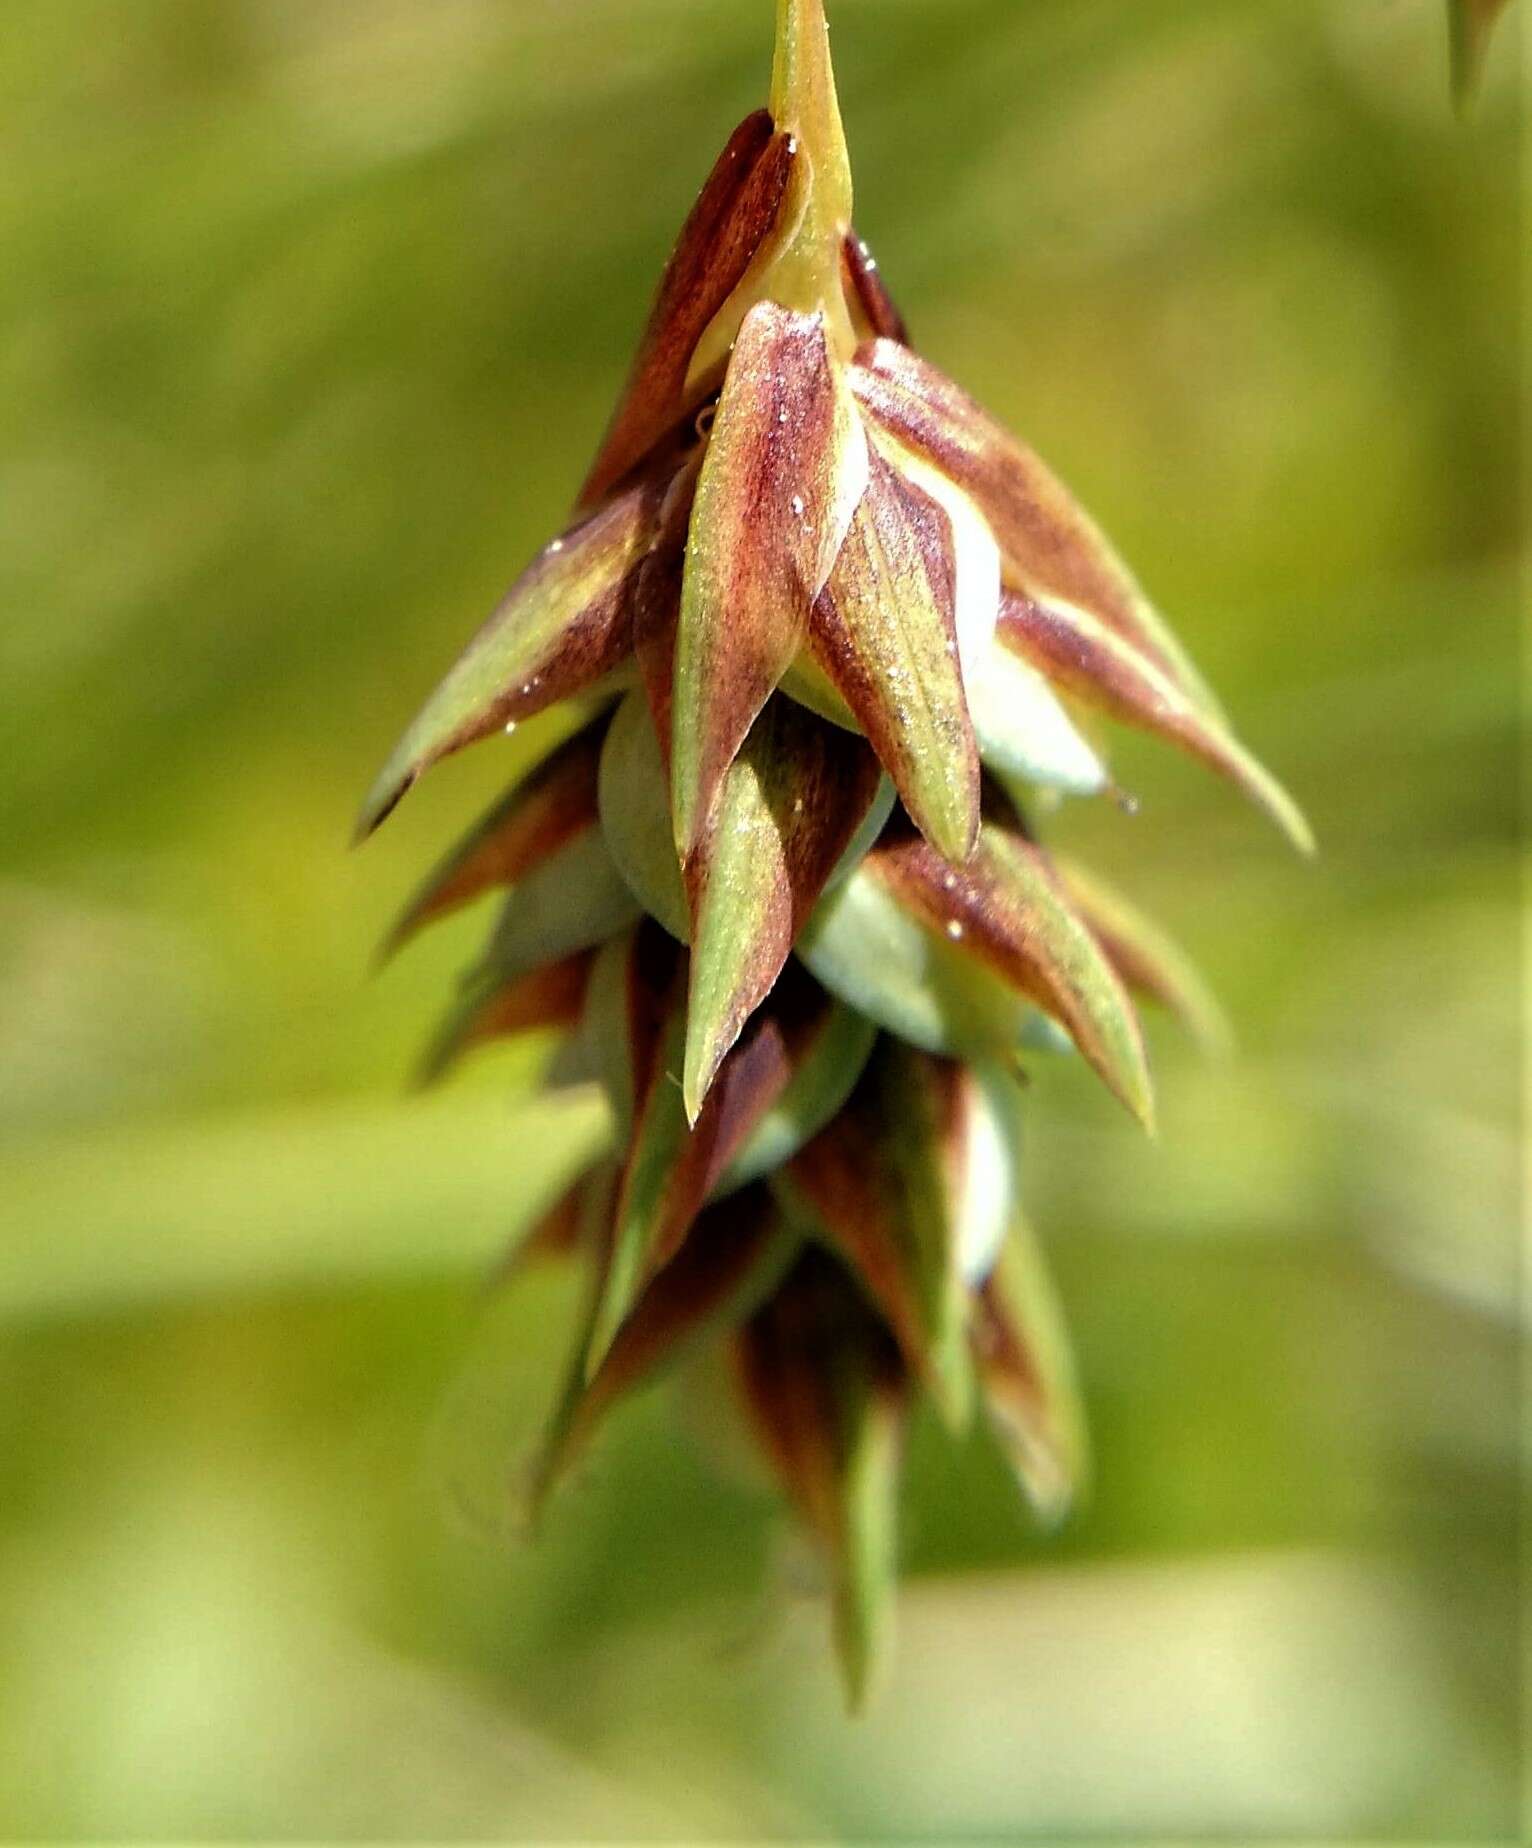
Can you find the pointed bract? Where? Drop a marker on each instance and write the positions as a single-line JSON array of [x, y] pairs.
[[827, 1065], [788, 810], [546, 998], [573, 900], [884, 630], [1022, 1356], [823, 1387], [889, 963], [1051, 546], [1007, 908], [882, 1185], [786, 466], [657, 606], [1149, 963], [877, 310], [673, 1167], [563, 627], [729, 1265], [546, 808], [733, 217], [1099, 668]]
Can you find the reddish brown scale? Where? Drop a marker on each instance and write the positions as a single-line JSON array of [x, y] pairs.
[[541, 814], [870, 1180], [819, 783], [974, 908], [868, 292], [1004, 1358], [798, 1360], [547, 1000], [766, 528], [1021, 1400], [656, 604], [734, 215], [656, 976], [730, 1246], [1139, 971], [790, 807], [1116, 679], [563, 626], [749, 1083], [552, 1239], [1050, 544], [884, 631], [1101, 669], [1009, 908]]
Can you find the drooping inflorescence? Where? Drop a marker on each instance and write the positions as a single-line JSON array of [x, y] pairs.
[[833, 634]]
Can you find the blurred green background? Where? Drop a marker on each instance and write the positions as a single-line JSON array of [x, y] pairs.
[[310, 314]]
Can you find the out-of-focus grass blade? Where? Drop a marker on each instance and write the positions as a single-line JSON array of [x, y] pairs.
[[337, 1194]]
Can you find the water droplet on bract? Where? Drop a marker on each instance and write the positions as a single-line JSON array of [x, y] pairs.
[[949, 881], [797, 503], [955, 930], [510, 730], [798, 805], [557, 546], [1129, 804]]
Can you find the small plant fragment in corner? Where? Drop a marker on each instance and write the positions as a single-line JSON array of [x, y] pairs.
[[1472, 24]]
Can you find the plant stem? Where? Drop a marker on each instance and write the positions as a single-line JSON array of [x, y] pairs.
[[807, 275]]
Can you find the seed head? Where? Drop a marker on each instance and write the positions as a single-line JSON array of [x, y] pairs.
[[836, 632]]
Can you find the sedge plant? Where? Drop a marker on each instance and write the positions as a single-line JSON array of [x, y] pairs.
[[837, 642]]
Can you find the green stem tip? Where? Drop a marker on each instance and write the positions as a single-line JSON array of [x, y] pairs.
[[804, 102]]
